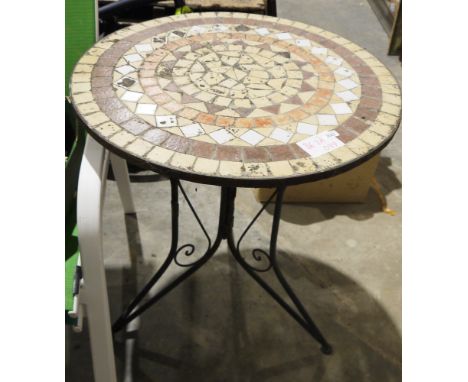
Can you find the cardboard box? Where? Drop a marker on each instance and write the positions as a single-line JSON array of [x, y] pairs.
[[349, 187]]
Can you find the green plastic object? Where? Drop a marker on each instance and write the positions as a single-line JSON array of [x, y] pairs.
[[80, 35], [80, 32], [183, 9]]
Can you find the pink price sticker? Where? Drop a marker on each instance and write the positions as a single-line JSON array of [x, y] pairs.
[[321, 143]]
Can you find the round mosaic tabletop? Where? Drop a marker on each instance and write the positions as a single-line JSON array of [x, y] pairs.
[[236, 99]]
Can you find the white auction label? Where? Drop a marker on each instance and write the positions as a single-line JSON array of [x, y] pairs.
[[321, 143]]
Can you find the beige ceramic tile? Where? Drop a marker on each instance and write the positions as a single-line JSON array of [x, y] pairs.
[[391, 98], [123, 138], [88, 59], [80, 87], [81, 77], [387, 119], [303, 165], [228, 168], [83, 97], [325, 161], [87, 108], [256, 169], [160, 155], [96, 118], [184, 161], [280, 168], [380, 128], [206, 166], [107, 129], [139, 147], [358, 146], [371, 138], [344, 154], [391, 109]]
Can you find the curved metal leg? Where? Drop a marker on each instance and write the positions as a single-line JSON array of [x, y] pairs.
[[302, 317], [133, 310]]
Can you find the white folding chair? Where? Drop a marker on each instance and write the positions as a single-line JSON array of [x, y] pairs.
[[93, 297]]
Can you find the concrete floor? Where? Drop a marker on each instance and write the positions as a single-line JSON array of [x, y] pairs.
[[344, 261]]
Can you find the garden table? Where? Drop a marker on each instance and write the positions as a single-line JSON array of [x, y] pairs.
[[234, 100]]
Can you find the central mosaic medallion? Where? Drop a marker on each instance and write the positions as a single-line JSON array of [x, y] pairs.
[[228, 71]]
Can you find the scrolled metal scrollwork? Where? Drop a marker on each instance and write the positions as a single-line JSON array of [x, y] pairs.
[[189, 249], [259, 255]]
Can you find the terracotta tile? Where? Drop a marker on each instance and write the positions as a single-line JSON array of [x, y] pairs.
[[101, 71], [298, 115], [109, 104], [228, 153], [156, 136], [189, 113], [161, 99], [153, 90], [280, 152], [297, 151], [364, 71], [346, 134], [99, 82], [206, 118], [135, 126], [255, 154], [323, 93], [173, 106], [370, 81], [244, 123], [371, 92], [120, 115], [371, 103], [356, 125], [202, 149], [177, 143], [282, 119], [224, 121], [263, 122], [365, 114]]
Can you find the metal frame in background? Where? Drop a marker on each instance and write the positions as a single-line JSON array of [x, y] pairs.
[[225, 232]]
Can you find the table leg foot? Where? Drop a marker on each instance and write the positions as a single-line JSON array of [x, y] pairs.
[[269, 261], [327, 349]]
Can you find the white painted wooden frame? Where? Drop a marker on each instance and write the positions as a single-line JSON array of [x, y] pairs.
[[93, 293]]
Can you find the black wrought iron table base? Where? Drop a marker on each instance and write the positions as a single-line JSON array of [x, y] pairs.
[[225, 232]]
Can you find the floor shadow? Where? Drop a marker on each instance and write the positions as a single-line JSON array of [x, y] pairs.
[[231, 330], [308, 213]]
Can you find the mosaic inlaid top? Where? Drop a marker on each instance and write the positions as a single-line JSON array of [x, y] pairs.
[[237, 99]]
